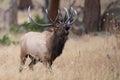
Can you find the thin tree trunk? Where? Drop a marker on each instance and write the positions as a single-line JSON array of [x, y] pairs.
[[91, 15], [53, 8], [46, 5], [13, 13]]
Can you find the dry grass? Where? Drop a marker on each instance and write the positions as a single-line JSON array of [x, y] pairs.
[[87, 58]]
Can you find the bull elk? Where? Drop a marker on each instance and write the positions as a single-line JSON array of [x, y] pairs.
[[46, 46]]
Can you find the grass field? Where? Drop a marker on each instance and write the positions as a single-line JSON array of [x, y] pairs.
[[87, 58]]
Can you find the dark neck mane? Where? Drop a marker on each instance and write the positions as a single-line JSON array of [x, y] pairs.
[[57, 44]]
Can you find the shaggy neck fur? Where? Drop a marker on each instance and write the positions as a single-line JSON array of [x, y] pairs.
[[56, 45]]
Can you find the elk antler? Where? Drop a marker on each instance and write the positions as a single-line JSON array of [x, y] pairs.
[[67, 16], [34, 22], [71, 16], [46, 11], [72, 13]]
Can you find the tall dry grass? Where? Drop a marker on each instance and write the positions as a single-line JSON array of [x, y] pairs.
[[87, 58]]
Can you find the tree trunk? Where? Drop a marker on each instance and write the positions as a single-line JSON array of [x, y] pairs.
[[91, 15], [24, 4], [53, 8], [13, 13]]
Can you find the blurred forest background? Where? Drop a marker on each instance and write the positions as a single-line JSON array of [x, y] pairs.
[[92, 51], [91, 18]]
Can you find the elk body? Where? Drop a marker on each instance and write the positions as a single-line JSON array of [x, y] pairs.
[[46, 46]]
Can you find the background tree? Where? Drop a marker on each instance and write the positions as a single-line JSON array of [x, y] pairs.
[[46, 6], [46, 3], [91, 15], [12, 11], [24, 4], [53, 8]]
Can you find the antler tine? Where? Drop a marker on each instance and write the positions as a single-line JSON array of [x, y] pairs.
[[34, 22], [67, 14], [29, 18], [46, 11], [56, 19], [72, 3], [74, 14], [59, 16]]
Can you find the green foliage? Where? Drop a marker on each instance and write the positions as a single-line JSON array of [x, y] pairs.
[[28, 26], [14, 29], [5, 40], [31, 27]]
